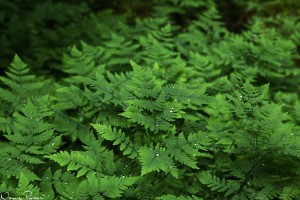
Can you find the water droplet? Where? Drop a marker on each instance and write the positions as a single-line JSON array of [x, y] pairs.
[[53, 143], [263, 164], [172, 109], [195, 144], [292, 134], [126, 165], [122, 176], [241, 97], [157, 154]]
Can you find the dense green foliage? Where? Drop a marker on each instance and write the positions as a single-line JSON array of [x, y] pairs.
[[160, 100]]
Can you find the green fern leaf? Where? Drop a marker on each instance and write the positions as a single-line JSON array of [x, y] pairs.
[[171, 197], [20, 85], [181, 150], [217, 184], [76, 161], [119, 138], [156, 160], [25, 188]]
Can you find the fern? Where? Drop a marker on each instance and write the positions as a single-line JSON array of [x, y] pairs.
[[208, 109], [111, 187], [6, 125], [289, 193], [20, 85], [146, 95], [31, 138], [217, 184], [25, 189], [111, 134], [74, 62], [156, 159], [169, 197], [182, 150], [76, 161]]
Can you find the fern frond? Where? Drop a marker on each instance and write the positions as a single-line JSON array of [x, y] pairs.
[[119, 138], [46, 184], [13, 168], [25, 188], [83, 62], [181, 150], [30, 140], [156, 159], [171, 197], [289, 193], [108, 186], [77, 161], [20, 85], [6, 125], [217, 184], [143, 83]]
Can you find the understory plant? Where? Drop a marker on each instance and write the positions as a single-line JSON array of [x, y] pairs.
[[168, 104]]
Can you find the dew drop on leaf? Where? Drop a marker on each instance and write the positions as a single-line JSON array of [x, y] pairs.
[[241, 97]]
